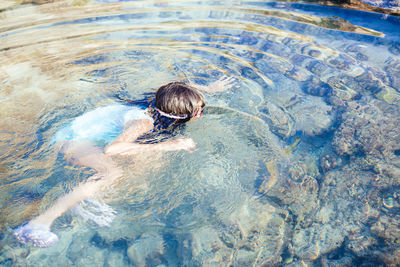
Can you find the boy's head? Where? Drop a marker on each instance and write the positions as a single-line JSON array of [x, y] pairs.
[[179, 100]]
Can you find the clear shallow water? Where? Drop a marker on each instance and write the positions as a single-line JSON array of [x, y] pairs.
[[298, 164]]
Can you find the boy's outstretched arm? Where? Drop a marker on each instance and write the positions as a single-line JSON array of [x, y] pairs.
[[123, 144], [222, 84], [125, 148]]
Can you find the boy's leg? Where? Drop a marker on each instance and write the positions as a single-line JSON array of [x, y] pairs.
[[81, 154], [38, 231], [85, 154]]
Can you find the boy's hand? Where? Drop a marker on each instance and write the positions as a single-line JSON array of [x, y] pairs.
[[222, 84], [184, 143]]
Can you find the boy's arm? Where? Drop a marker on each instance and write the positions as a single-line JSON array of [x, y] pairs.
[[124, 148], [223, 84], [123, 144], [135, 129]]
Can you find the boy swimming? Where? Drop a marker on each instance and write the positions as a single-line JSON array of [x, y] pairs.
[[91, 140]]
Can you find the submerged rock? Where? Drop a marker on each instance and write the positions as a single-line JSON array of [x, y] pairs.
[[357, 51], [312, 115], [317, 67], [395, 48], [115, 258], [370, 126], [342, 62], [298, 74], [295, 187], [329, 162], [291, 112], [393, 70], [203, 247], [340, 92], [388, 229], [147, 251], [365, 83], [310, 243], [364, 213], [316, 87], [360, 244], [278, 119], [251, 235], [11, 256]]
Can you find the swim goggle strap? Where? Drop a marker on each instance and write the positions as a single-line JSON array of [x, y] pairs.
[[173, 116]]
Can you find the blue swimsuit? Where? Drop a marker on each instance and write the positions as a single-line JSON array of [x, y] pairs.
[[103, 124]]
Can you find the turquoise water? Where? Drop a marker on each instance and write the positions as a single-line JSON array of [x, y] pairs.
[[297, 165]]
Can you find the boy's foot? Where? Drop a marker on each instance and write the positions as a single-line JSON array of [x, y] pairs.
[[38, 234]]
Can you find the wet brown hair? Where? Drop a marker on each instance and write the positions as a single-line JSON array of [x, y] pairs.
[[180, 99]]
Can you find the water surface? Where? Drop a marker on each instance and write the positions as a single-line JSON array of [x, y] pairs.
[[298, 164]]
